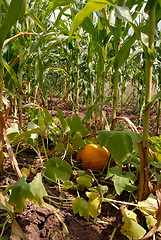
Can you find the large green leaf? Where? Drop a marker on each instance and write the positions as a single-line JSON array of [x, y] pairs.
[[80, 206], [56, 169], [87, 25], [91, 6], [15, 10], [119, 143], [22, 191], [77, 141], [124, 51], [37, 190]]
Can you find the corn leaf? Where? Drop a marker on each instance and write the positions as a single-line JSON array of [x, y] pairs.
[[91, 6], [15, 10]]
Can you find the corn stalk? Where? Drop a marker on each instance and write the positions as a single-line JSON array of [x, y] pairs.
[[116, 73], [144, 163]]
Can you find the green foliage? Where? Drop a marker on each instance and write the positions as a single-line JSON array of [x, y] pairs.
[[15, 10], [22, 191], [122, 182], [91, 6], [119, 143], [156, 147], [56, 169]]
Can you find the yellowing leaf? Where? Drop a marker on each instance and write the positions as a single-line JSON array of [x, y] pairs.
[[130, 227], [94, 204], [149, 206], [150, 221], [25, 171], [84, 181], [90, 208]]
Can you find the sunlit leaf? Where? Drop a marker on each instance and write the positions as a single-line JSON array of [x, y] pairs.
[[94, 203], [91, 6], [84, 181], [36, 20], [37, 190], [68, 185], [87, 25], [150, 221], [123, 12], [87, 209], [130, 227], [54, 4], [12, 131], [149, 206]]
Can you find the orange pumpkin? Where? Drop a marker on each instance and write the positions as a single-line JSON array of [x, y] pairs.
[[93, 156]]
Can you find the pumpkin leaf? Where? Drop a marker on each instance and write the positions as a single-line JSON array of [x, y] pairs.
[[149, 206], [77, 141], [56, 169], [101, 189], [84, 181], [120, 183], [22, 191], [80, 206], [130, 227], [119, 143], [87, 209], [94, 203], [150, 221], [62, 121], [68, 185], [76, 125]]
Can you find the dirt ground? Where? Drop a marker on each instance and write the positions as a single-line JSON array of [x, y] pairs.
[[38, 222]]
